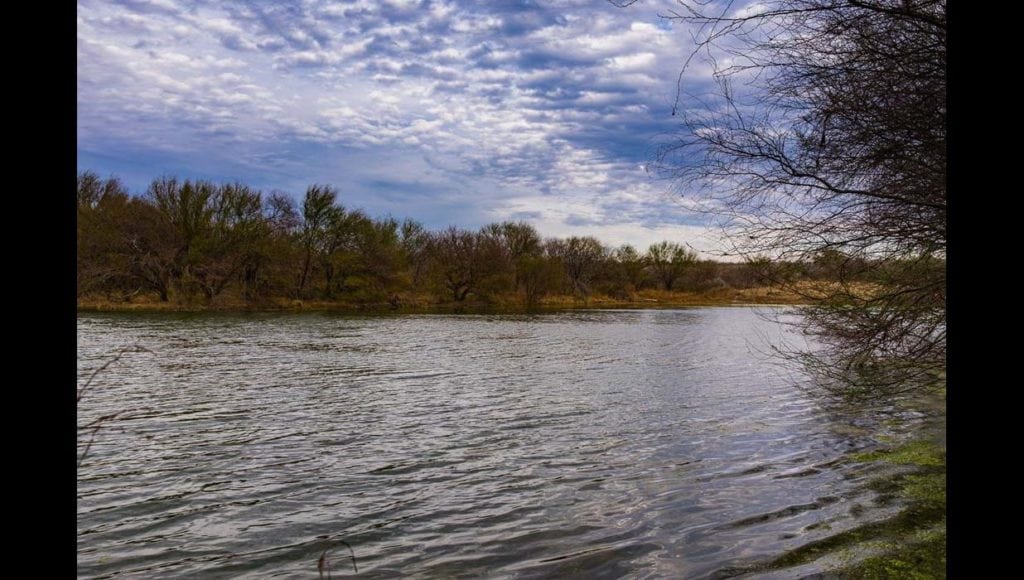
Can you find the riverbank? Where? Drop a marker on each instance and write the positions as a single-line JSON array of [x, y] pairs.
[[421, 304]]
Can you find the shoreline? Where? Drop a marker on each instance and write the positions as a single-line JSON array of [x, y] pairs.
[[643, 301]]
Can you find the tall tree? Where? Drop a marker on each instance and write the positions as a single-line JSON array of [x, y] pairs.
[[414, 240], [508, 245], [455, 261], [231, 246], [669, 261], [101, 250], [186, 210], [581, 257], [631, 267], [317, 232], [829, 133]]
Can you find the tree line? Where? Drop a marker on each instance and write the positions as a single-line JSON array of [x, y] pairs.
[[194, 241]]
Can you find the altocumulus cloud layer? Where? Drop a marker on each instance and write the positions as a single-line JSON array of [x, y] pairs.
[[451, 112]]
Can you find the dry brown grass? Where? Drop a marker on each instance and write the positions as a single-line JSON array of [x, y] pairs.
[[425, 303], [820, 289]]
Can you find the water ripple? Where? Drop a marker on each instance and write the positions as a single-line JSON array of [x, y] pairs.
[[643, 444]]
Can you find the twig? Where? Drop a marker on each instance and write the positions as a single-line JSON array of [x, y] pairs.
[[117, 357], [95, 424], [324, 563]]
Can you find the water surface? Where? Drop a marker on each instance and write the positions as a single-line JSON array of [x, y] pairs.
[[597, 444]]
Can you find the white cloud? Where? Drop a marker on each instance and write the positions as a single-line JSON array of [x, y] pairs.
[[513, 119], [642, 60]]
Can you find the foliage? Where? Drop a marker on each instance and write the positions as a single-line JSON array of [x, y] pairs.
[[197, 243], [669, 261]]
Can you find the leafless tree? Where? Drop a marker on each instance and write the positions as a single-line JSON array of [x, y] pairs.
[[826, 132], [455, 261], [517, 243], [415, 241], [581, 257]]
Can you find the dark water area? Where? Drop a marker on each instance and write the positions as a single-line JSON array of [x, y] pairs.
[[591, 444]]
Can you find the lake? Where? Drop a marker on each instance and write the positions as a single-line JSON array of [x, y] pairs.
[[592, 444]]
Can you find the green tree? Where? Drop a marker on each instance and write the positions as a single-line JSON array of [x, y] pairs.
[[538, 276], [505, 246], [102, 253], [414, 240], [377, 259], [186, 210], [632, 267], [231, 247], [668, 261], [317, 230]]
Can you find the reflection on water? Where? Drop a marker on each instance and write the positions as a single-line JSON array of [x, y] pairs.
[[592, 444]]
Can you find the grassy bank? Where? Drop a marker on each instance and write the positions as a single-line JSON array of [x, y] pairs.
[[910, 544], [424, 304]]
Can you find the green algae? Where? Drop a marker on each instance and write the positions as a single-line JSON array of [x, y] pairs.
[[911, 544], [922, 453], [924, 559]]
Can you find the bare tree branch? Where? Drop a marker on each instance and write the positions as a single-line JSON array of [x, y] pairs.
[[94, 426], [824, 146]]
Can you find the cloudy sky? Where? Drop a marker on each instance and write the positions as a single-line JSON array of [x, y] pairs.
[[448, 111]]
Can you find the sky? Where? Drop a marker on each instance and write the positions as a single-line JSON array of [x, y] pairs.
[[451, 112]]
